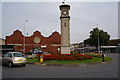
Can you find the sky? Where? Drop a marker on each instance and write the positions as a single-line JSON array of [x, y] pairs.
[[45, 17]]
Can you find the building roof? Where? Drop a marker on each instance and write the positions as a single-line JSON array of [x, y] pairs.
[[2, 39], [114, 42]]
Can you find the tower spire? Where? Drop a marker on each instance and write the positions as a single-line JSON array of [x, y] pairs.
[[63, 1]]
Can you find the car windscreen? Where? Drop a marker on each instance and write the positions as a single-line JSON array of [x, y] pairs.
[[18, 55]]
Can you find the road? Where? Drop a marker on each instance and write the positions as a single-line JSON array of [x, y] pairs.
[[103, 70]]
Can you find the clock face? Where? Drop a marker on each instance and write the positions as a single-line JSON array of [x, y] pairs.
[[64, 12], [36, 39]]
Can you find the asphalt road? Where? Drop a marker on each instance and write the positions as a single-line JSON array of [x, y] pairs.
[[103, 70]]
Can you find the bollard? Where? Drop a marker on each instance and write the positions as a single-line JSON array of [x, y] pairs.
[[41, 58]]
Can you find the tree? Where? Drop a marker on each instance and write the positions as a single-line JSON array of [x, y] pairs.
[[93, 38]]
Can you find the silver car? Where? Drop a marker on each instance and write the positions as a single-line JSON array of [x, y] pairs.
[[14, 58]]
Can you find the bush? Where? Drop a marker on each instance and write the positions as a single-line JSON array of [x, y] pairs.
[[66, 57]]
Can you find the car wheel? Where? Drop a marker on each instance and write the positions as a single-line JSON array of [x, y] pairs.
[[10, 64], [24, 64]]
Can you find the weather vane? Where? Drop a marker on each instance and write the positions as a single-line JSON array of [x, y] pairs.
[[63, 2]]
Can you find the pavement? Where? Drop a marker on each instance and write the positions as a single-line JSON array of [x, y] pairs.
[[51, 64]]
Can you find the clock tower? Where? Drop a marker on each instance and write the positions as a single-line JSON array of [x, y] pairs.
[[65, 28]]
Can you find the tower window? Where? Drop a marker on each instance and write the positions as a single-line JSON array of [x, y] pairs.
[[65, 24]]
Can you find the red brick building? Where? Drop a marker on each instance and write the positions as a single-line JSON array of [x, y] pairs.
[[47, 44]]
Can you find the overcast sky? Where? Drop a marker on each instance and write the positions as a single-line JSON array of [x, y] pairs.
[[44, 17]]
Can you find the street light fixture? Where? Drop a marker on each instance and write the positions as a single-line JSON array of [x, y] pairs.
[[24, 37], [98, 39]]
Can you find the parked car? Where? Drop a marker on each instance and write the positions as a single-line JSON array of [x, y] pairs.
[[98, 51], [32, 56], [14, 58], [83, 52]]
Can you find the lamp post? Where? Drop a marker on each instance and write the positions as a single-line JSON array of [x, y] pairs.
[[24, 37], [98, 39]]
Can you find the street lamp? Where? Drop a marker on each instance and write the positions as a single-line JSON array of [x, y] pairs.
[[98, 39], [24, 37]]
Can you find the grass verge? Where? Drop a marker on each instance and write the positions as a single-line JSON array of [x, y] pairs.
[[94, 60]]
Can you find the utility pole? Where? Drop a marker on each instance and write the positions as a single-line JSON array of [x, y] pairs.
[[24, 37], [98, 39]]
